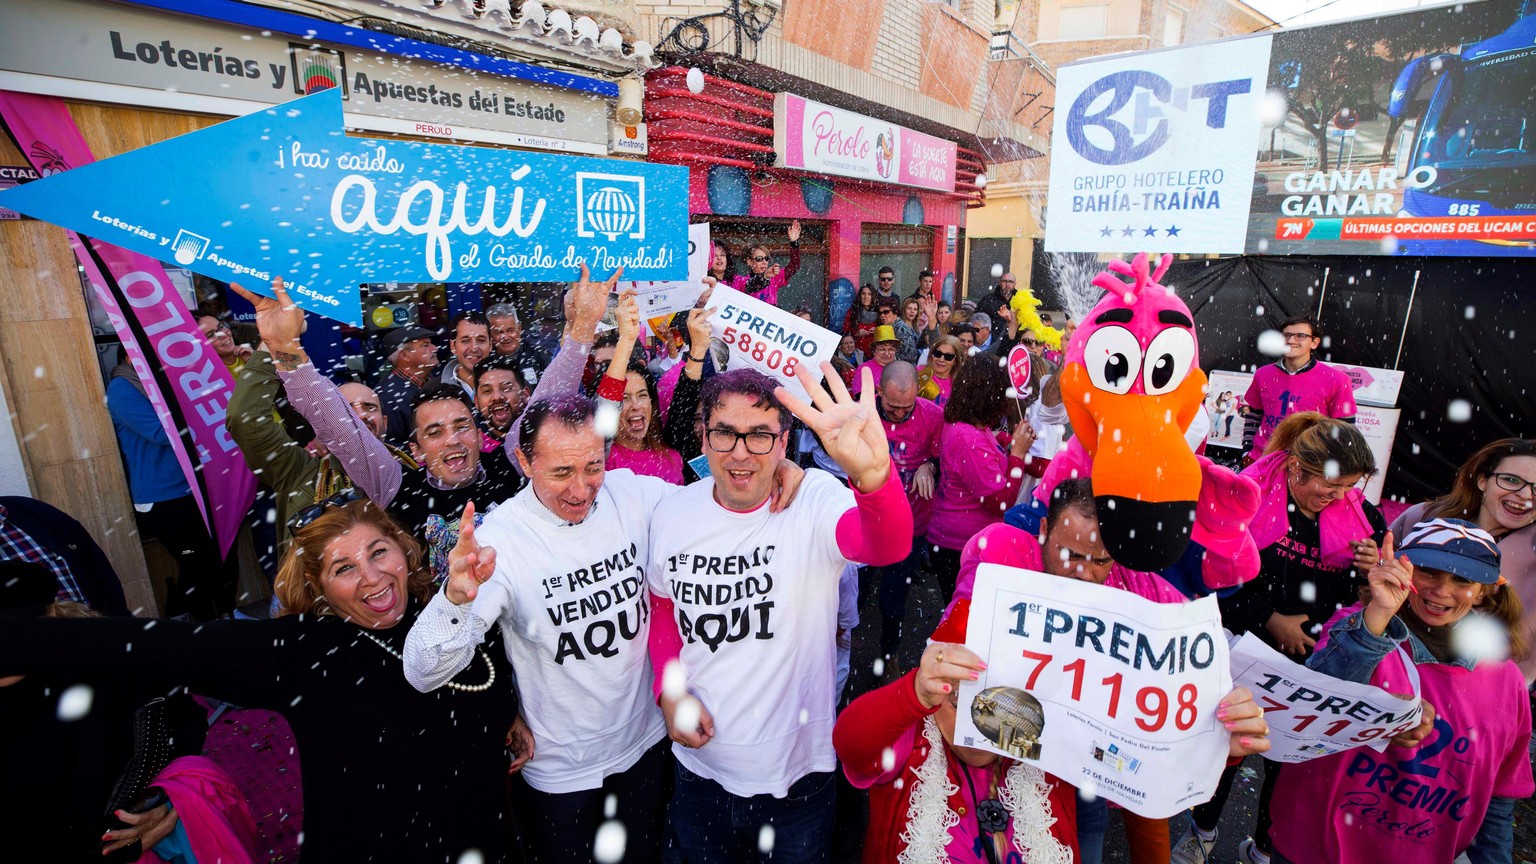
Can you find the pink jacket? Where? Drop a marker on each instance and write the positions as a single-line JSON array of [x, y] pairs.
[[977, 482], [211, 808]]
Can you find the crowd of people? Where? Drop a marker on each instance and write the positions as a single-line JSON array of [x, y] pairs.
[[596, 603]]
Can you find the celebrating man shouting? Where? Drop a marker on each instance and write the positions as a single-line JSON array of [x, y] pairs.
[[755, 594]]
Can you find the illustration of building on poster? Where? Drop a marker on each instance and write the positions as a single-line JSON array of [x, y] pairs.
[[1311, 714], [1100, 687]]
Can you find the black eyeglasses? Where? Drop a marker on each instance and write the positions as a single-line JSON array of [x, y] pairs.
[[944, 355], [759, 259], [1513, 482], [758, 443], [887, 278], [315, 511]]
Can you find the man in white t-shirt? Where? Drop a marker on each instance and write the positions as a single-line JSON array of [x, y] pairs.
[[755, 597], [568, 589]]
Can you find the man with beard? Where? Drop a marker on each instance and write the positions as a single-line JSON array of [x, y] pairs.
[[500, 395], [446, 441]]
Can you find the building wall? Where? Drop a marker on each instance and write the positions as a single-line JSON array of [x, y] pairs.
[[925, 58]]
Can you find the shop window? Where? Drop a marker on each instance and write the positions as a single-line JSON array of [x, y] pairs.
[[808, 287], [907, 249], [1084, 22]]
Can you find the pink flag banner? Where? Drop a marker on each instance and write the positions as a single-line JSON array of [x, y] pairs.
[[147, 311]]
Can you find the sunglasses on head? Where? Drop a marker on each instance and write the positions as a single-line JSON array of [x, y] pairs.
[[315, 511]]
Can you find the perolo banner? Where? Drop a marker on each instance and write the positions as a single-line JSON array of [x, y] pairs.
[[1400, 135]]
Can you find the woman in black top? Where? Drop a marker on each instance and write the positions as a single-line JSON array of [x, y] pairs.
[[390, 774], [1315, 463]]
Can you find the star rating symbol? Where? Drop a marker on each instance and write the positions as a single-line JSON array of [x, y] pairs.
[[1150, 232], [1128, 231], [1106, 231], [1173, 230]]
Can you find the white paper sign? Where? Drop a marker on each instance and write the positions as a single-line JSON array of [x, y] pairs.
[[1372, 385], [666, 298], [769, 339], [1156, 150], [1311, 714], [1098, 686]]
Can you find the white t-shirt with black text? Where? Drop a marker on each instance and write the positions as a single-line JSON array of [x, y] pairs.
[[575, 617], [756, 599]]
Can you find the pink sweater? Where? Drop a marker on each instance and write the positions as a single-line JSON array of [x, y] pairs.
[[976, 484]]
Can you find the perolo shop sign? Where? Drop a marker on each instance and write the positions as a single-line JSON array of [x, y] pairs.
[[815, 137], [287, 194]]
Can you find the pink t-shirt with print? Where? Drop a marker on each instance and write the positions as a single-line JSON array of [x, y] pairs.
[[1418, 806]]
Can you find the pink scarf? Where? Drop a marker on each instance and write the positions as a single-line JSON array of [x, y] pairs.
[[1339, 525], [211, 806]]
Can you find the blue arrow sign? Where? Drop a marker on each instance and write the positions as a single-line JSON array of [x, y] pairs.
[[283, 192]]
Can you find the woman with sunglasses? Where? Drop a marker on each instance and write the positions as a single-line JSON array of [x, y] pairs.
[[936, 380], [759, 282], [1496, 490], [390, 774], [1313, 528]]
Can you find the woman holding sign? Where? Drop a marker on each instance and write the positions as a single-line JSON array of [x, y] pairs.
[[955, 803], [1313, 528], [1496, 488], [1440, 605]]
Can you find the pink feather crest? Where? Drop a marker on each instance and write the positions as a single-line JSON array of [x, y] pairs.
[[1140, 272]]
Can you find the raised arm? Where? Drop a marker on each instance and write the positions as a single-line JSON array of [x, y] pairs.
[[443, 639], [366, 459], [586, 301], [878, 530], [277, 459]]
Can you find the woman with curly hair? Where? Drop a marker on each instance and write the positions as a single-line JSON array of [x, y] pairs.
[[390, 774]]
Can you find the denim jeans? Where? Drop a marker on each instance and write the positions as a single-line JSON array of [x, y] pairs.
[[1092, 821], [715, 827]]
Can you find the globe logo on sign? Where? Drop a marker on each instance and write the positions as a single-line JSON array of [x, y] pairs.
[[611, 211], [611, 205]]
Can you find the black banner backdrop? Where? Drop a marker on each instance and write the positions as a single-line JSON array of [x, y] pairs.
[[1470, 335]]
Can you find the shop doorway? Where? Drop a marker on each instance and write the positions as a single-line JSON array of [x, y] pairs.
[[985, 254], [808, 287], [907, 249]]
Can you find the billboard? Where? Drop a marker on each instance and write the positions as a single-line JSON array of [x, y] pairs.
[[1399, 135], [814, 137]]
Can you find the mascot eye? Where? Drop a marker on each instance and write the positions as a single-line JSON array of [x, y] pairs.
[[1113, 359], [1169, 357]]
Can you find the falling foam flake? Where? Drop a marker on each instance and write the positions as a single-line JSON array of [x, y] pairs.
[[1459, 411], [1481, 638], [765, 840], [471, 856], [1271, 343], [608, 848], [75, 702]]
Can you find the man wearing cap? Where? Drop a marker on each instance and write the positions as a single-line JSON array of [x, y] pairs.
[[1364, 805], [883, 354], [412, 357]]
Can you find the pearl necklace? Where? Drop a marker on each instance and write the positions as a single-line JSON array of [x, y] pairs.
[[465, 688]]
